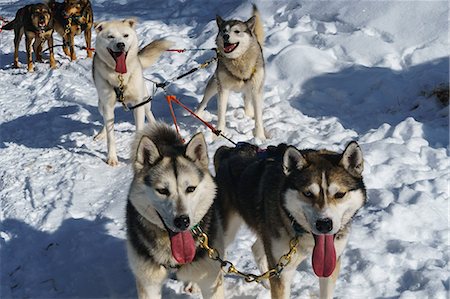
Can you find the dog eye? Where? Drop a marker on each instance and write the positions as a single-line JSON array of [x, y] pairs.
[[190, 189], [236, 31], [339, 195], [125, 35], [110, 36], [308, 194], [163, 191]]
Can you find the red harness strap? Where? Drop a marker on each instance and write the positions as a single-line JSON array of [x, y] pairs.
[[172, 98]]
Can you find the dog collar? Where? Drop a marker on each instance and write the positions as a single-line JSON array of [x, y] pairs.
[[298, 229]]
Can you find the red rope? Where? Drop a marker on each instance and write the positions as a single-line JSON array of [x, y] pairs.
[[176, 50], [169, 99], [172, 98]]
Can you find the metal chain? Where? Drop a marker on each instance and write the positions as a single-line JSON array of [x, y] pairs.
[[68, 25], [120, 92], [229, 268]]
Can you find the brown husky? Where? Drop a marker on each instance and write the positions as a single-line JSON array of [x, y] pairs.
[[36, 22]]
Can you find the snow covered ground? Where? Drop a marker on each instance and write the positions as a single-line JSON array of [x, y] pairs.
[[336, 71]]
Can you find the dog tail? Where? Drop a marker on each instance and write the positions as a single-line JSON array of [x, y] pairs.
[[151, 52], [10, 25], [259, 29]]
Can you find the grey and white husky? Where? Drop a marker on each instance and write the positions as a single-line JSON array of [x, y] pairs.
[[118, 58], [240, 68], [172, 192], [308, 194]]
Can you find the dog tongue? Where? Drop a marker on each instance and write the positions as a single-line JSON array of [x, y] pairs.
[[183, 247], [324, 255], [121, 66]]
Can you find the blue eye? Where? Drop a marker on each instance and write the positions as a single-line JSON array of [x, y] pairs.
[[308, 194]]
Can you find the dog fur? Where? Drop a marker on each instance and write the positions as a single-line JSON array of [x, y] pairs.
[[240, 68], [36, 22], [171, 182], [110, 35], [309, 194]]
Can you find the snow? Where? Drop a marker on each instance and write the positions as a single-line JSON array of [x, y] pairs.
[[336, 71]]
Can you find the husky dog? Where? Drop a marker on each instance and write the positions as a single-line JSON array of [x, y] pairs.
[[308, 194], [36, 22], [172, 192], [71, 18], [117, 70], [240, 68]]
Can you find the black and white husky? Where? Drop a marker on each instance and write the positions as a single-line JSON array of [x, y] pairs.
[[172, 192], [308, 194]]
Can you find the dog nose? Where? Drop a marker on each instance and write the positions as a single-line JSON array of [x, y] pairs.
[[120, 46], [226, 37], [324, 225], [182, 222]]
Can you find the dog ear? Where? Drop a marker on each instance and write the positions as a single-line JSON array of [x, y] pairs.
[[131, 22], [147, 153], [98, 26], [352, 159], [251, 23], [197, 151], [219, 21], [292, 160]]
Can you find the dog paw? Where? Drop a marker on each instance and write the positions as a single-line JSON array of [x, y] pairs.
[[260, 135], [112, 161], [250, 112]]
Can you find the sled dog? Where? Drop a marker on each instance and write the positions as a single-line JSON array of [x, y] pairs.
[[117, 71], [172, 193], [308, 194], [240, 68], [36, 22], [71, 18]]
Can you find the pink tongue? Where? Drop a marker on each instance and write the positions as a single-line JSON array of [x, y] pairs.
[[183, 247], [324, 255], [121, 66], [229, 48]]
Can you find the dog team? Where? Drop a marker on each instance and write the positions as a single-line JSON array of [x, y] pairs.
[[295, 201]]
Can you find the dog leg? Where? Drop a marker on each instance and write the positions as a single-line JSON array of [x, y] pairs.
[[210, 91], [248, 103], [18, 33], [148, 113], [327, 284], [87, 37], [222, 108], [108, 121], [260, 258], [66, 39], [29, 47], [149, 276], [139, 118], [37, 47], [211, 284], [100, 135], [52, 55], [258, 105], [73, 56]]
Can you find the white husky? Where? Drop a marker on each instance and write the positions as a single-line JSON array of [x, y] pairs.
[[117, 71]]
